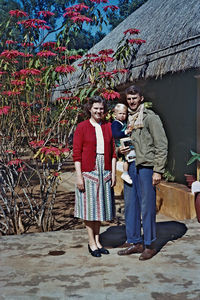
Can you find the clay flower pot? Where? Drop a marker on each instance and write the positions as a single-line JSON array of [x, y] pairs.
[[197, 205], [189, 179]]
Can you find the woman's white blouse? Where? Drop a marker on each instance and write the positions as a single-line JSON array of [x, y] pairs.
[[99, 136]]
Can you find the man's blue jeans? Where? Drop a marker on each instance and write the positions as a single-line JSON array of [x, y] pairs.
[[140, 201]]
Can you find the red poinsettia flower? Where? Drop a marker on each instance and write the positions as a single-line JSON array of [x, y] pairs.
[[46, 53], [106, 52], [29, 71], [56, 174], [136, 41], [11, 93], [27, 55], [64, 150], [36, 144], [10, 42], [106, 74], [21, 169], [44, 27], [17, 82], [132, 31], [91, 55], [62, 98], [77, 7], [24, 104], [27, 44], [4, 110], [112, 7], [110, 95], [99, 1], [61, 49], [65, 69], [119, 71], [10, 54], [48, 45], [18, 13], [15, 162], [71, 57], [81, 19], [45, 13], [71, 14], [32, 23], [102, 58], [51, 150]]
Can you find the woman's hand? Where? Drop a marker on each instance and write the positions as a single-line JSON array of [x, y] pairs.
[[80, 182], [113, 180], [79, 177], [113, 173]]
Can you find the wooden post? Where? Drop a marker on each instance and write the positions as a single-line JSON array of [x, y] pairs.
[[198, 124]]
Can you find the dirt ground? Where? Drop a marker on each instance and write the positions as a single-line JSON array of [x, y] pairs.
[[64, 212]]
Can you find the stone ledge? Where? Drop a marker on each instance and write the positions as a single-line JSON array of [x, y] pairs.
[[175, 200]]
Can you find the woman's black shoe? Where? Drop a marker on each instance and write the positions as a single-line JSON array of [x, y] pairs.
[[95, 253], [103, 250]]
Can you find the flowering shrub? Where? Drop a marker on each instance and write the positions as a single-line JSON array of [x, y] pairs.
[[35, 131]]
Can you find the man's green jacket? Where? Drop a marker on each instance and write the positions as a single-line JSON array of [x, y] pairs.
[[151, 142]]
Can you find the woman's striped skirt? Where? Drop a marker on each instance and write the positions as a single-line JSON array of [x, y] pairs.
[[96, 203]]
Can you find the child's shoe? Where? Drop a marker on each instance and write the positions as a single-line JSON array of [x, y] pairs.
[[126, 178]]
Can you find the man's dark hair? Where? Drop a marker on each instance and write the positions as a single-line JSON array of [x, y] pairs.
[[133, 90], [91, 101]]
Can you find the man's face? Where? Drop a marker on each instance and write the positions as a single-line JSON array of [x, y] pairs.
[[134, 100]]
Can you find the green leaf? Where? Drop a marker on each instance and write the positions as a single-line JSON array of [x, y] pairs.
[[54, 75], [93, 92], [191, 160], [192, 152], [7, 24], [37, 63], [82, 93]]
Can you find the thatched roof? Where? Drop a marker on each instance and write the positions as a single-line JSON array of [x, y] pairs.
[[171, 24], [171, 29]]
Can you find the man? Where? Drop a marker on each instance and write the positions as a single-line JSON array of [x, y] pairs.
[[150, 143]]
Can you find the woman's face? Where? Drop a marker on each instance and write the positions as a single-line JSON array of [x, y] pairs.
[[97, 112]]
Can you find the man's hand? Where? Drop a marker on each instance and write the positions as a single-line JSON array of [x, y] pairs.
[[124, 150], [156, 178]]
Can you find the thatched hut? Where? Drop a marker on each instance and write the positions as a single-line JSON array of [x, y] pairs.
[[167, 69]]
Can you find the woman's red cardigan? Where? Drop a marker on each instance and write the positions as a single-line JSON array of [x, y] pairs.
[[84, 146]]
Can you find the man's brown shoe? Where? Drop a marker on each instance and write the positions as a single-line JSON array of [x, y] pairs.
[[147, 254], [125, 245], [135, 248]]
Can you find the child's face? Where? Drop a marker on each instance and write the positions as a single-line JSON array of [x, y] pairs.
[[121, 114]]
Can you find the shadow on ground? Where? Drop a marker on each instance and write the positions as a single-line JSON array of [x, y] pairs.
[[115, 236]]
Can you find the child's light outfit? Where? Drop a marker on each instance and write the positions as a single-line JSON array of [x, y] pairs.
[[118, 132]]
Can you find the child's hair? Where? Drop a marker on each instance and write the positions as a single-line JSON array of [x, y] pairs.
[[119, 106]]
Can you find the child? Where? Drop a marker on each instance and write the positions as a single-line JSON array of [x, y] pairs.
[[119, 131]]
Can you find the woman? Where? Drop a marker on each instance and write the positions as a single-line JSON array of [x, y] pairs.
[[95, 164]]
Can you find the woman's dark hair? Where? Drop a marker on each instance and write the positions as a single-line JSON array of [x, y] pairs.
[[91, 101], [133, 90]]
